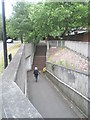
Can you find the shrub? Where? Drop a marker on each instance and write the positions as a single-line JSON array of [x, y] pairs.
[[66, 64], [52, 67], [61, 62], [73, 66], [49, 59]]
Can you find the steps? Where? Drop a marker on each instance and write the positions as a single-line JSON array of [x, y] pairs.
[[40, 57]]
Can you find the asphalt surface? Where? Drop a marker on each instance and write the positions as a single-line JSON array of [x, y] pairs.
[[47, 100]]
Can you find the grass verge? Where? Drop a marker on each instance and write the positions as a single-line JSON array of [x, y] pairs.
[[11, 50]]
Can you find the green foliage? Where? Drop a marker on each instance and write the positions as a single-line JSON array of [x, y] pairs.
[[89, 14], [73, 66], [66, 64], [52, 66], [49, 59], [38, 21], [61, 62], [19, 24]]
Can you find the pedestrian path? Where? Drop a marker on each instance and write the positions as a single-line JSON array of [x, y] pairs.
[[47, 100]]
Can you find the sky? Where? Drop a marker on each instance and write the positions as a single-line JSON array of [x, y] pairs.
[[9, 3], [8, 6]]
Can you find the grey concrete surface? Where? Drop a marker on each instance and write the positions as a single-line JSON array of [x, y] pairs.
[[78, 47], [21, 75], [70, 82], [14, 103], [29, 55], [0, 98], [47, 100], [72, 95], [71, 77]]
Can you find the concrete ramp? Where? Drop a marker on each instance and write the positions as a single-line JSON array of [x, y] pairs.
[[48, 100]]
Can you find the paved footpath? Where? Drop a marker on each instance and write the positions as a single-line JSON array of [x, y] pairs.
[[47, 100]]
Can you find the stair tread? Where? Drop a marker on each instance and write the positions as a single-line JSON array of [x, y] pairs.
[[40, 57]]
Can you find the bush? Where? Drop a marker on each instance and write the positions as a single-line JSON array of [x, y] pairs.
[[66, 64], [52, 67], [61, 62]]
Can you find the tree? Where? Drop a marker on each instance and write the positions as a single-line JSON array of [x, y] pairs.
[[57, 19], [18, 25], [38, 21], [11, 31]]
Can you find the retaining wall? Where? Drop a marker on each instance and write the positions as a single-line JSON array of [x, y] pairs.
[[14, 86], [73, 83], [25, 64], [56, 43], [29, 55], [21, 73], [79, 47]]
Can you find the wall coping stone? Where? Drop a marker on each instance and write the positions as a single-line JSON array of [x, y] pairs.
[[69, 86], [71, 69], [14, 103], [77, 41]]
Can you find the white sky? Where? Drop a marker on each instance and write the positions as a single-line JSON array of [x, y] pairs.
[[9, 3]]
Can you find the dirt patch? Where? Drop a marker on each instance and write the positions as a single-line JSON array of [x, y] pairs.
[[68, 58]]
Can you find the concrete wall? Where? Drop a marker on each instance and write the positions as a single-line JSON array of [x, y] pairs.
[[56, 43], [79, 47], [29, 55], [25, 64], [21, 75], [14, 85], [0, 98], [73, 83]]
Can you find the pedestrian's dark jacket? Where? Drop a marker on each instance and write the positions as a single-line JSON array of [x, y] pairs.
[[35, 72]]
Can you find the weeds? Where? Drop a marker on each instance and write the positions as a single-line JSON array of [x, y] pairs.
[[49, 59], [66, 64], [52, 67], [61, 62], [73, 66]]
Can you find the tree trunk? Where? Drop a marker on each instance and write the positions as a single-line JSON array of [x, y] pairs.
[[21, 39]]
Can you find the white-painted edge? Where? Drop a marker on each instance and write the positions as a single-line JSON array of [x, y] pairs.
[[69, 86]]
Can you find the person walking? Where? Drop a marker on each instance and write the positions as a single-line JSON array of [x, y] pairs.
[[36, 73]]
